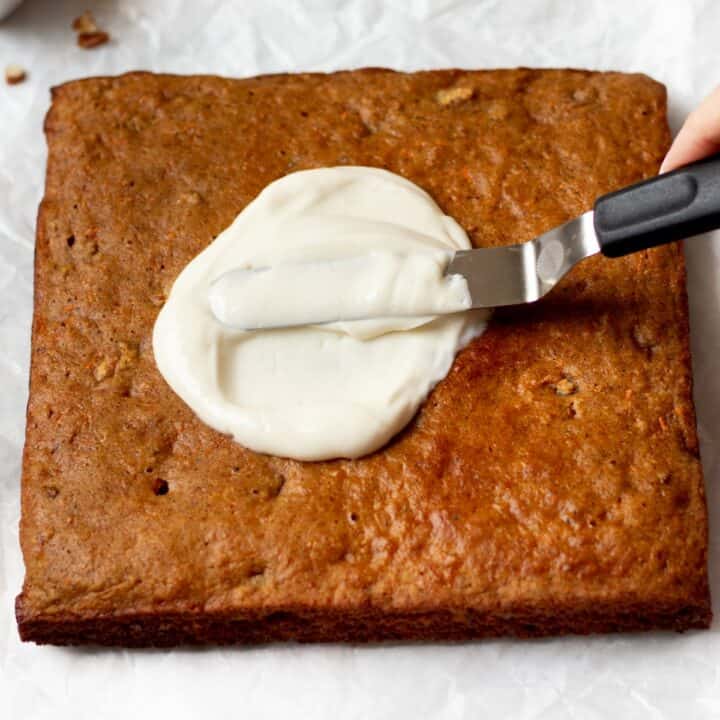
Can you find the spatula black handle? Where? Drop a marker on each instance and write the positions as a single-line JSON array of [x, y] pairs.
[[668, 207]]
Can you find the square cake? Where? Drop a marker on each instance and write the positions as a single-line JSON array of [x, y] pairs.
[[550, 484]]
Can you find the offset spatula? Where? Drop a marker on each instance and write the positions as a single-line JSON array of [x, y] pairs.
[[669, 207]]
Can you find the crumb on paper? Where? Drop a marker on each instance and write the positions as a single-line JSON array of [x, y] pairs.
[[89, 35], [14, 74], [85, 23], [92, 39], [450, 96]]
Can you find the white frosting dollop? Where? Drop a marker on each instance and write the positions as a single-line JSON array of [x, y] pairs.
[[336, 390]]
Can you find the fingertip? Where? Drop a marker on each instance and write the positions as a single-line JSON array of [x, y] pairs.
[[673, 158], [668, 164]]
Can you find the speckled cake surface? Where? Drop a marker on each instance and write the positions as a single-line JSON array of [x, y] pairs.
[[550, 484]]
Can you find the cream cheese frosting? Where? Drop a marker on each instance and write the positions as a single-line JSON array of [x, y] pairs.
[[313, 392]]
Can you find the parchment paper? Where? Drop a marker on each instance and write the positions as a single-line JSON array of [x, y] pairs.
[[639, 676]]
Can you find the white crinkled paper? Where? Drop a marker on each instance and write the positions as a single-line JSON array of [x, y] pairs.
[[624, 676]]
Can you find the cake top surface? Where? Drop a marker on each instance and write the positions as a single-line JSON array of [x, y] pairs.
[[557, 460]]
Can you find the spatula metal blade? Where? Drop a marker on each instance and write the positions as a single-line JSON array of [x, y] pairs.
[[523, 273]]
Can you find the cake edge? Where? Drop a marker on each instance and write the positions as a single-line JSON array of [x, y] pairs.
[[169, 629], [373, 625]]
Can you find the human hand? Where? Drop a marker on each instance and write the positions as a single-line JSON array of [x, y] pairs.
[[698, 137]]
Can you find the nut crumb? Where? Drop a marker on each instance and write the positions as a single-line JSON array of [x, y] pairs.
[[158, 298], [640, 424], [14, 74], [644, 337], [89, 35], [498, 110], [191, 197], [565, 387], [103, 369], [88, 40], [85, 23], [128, 354], [584, 95], [450, 96]]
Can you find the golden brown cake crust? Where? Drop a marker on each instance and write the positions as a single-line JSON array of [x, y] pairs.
[[550, 484]]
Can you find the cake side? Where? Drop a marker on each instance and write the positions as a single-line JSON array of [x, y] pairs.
[[542, 488]]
